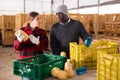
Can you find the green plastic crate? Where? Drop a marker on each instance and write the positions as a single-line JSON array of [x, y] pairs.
[[38, 67]]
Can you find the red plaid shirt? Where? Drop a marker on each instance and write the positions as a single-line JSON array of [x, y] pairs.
[[27, 48]]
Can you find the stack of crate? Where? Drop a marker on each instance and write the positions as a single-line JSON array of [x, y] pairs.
[[112, 24], [54, 18], [101, 27], [49, 21], [20, 20], [82, 56], [0, 23], [87, 19], [108, 66], [108, 21], [42, 21], [75, 16], [7, 25]]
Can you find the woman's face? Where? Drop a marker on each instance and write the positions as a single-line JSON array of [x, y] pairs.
[[35, 22]]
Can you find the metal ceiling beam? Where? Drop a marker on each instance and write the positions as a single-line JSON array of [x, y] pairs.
[[52, 6], [62, 1], [95, 5], [24, 6]]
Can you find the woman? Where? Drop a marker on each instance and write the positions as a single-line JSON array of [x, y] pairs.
[[37, 41]]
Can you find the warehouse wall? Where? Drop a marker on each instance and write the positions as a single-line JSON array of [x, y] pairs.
[[10, 7], [90, 6], [115, 8], [55, 4], [41, 6], [106, 9]]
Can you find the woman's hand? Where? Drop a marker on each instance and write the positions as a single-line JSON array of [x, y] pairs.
[[33, 39]]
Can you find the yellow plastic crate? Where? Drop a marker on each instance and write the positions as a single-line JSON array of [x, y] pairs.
[[110, 47], [85, 57], [80, 55], [72, 52], [108, 66]]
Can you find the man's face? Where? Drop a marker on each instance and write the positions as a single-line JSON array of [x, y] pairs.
[[62, 17]]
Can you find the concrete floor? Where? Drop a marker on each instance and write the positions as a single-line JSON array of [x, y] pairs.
[[7, 55]]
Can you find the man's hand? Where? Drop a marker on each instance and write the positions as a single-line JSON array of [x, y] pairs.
[[88, 41], [34, 40]]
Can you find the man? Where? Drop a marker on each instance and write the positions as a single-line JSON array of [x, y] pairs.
[[65, 31]]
